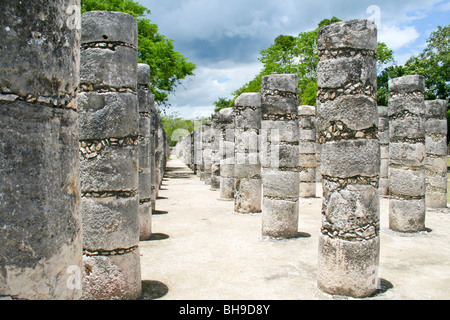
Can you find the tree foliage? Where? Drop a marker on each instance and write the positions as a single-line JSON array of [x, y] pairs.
[[299, 55], [167, 66]]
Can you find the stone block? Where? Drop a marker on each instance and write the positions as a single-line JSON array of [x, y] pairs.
[[281, 82], [110, 223], [436, 200], [307, 147], [279, 218], [280, 131], [436, 146], [436, 109], [348, 158], [356, 34], [280, 184], [109, 69], [307, 189], [108, 26], [115, 169], [278, 105], [113, 277], [338, 72], [107, 115], [410, 103], [407, 154], [227, 186], [145, 221], [407, 84], [406, 183], [348, 268], [437, 127], [37, 58], [407, 215], [248, 195], [143, 74], [406, 128]]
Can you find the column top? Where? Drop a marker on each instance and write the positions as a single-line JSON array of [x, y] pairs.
[[108, 26], [143, 73], [410, 83], [356, 34], [249, 99]]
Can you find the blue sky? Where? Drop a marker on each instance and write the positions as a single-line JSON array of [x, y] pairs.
[[224, 37]]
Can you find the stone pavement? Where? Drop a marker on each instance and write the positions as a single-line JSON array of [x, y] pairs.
[[201, 250]]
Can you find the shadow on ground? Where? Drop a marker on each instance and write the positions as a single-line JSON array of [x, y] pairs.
[[152, 289]]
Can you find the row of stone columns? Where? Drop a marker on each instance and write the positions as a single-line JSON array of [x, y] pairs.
[[365, 151], [77, 193]]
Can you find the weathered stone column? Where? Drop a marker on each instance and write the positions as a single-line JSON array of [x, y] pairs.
[[153, 144], [109, 127], [436, 153], [145, 169], [216, 135], [227, 180], [383, 134], [347, 121], [280, 155], [247, 165], [207, 152], [198, 151], [40, 217], [307, 149], [406, 154]]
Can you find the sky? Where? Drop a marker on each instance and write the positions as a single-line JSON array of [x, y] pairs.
[[224, 37]]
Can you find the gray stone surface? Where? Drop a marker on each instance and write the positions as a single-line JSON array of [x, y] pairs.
[[347, 124], [109, 166], [280, 156], [436, 152], [407, 154], [40, 217]]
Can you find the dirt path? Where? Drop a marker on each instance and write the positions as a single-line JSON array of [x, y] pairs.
[[201, 250]]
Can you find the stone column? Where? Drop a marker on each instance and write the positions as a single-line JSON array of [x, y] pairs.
[[207, 152], [153, 144], [198, 151], [215, 152], [383, 133], [307, 149], [280, 155], [247, 172], [109, 127], [347, 121], [227, 180], [436, 153], [145, 169], [406, 154], [40, 217]]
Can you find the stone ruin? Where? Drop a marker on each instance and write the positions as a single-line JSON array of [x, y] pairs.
[[358, 150], [92, 153], [81, 128]]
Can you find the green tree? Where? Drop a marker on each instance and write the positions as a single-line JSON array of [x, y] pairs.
[[222, 103], [168, 67], [434, 65], [300, 55]]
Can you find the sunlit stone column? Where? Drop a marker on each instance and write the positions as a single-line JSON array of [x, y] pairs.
[[40, 217], [247, 172], [436, 153], [145, 169], [280, 156], [347, 121], [407, 154], [307, 149], [383, 133], [109, 127]]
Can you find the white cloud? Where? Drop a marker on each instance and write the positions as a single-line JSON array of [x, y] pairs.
[[396, 37]]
